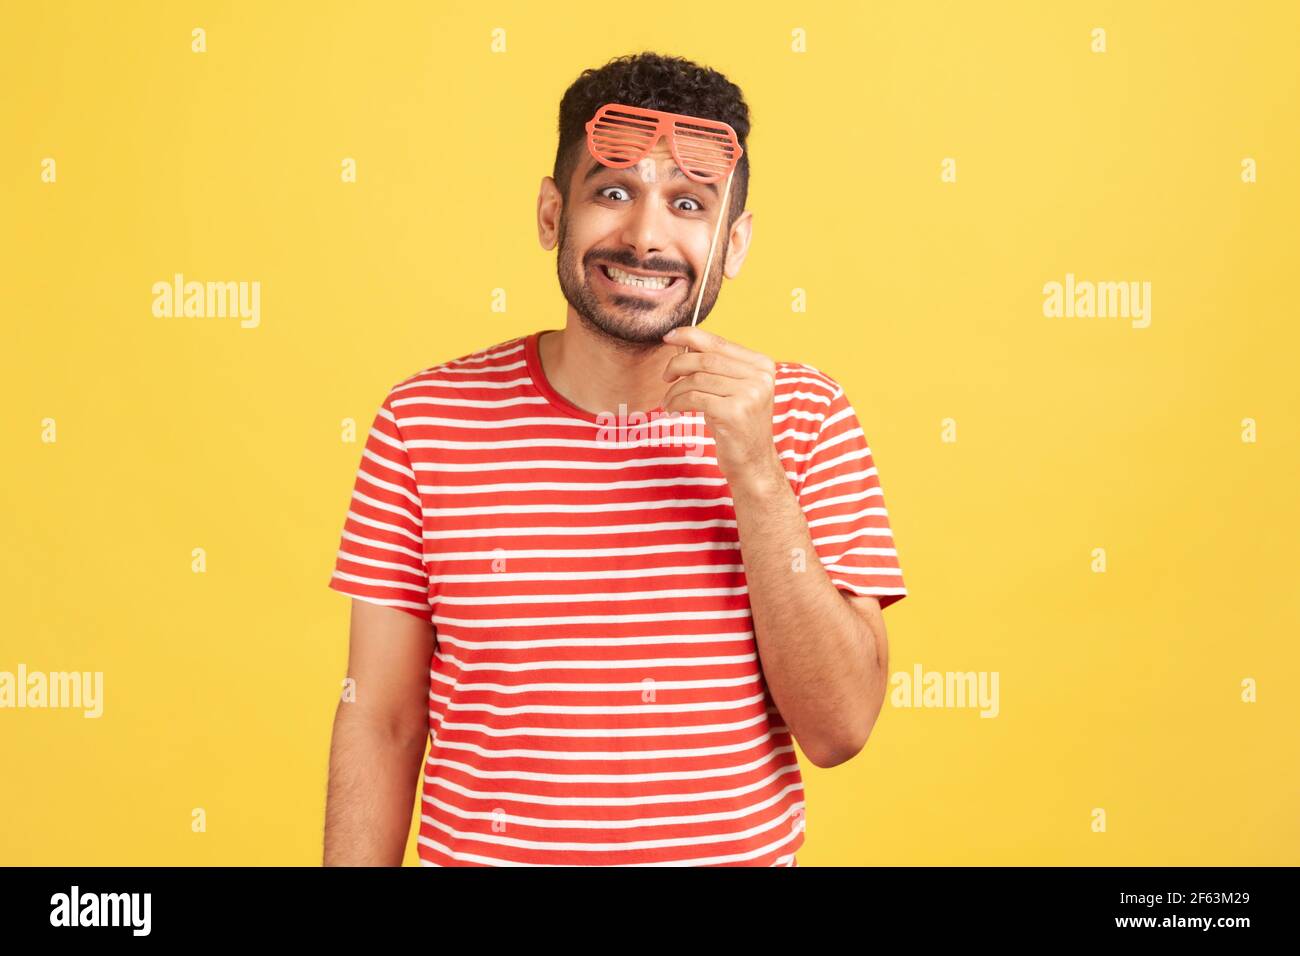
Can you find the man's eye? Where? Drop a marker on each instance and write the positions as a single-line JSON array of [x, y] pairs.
[[693, 207]]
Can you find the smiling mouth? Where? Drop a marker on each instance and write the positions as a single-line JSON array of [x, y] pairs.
[[632, 280]]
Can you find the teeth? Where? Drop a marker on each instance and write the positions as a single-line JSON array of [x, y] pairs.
[[640, 282]]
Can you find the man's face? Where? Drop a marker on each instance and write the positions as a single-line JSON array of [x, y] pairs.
[[649, 220]]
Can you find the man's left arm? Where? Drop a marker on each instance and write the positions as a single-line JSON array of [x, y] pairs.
[[824, 653]]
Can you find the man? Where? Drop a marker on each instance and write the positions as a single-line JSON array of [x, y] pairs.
[[609, 635]]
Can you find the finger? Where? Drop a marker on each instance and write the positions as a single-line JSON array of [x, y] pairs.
[[699, 340], [715, 362], [719, 385], [692, 400]]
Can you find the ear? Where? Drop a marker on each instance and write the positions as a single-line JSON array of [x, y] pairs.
[[549, 206], [739, 237]]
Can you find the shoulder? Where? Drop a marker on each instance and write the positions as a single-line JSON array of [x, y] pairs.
[[801, 383], [486, 364]]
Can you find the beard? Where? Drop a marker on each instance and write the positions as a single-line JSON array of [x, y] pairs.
[[631, 321]]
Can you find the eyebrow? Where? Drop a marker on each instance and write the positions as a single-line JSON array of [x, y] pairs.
[[599, 167]]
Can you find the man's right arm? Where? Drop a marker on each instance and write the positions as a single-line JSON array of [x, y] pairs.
[[379, 740]]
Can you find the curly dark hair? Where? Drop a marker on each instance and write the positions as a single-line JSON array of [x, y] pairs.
[[657, 82]]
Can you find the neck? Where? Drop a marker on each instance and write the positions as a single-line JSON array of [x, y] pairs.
[[598, 374]]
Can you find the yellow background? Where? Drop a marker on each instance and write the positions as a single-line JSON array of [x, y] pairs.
[[1118, 690]]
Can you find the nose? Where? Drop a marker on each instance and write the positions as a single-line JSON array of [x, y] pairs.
[[647, 223]]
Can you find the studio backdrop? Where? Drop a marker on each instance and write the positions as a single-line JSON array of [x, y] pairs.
[[1048, 249]]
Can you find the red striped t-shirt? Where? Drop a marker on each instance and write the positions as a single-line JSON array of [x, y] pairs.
[[595, 693]]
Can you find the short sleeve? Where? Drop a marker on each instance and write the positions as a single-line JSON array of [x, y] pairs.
[[381, 552], [841, 496]]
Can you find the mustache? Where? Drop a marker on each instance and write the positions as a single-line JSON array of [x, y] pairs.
[[625, 261]]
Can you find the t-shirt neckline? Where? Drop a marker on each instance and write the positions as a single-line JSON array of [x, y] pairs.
[[538, 378]]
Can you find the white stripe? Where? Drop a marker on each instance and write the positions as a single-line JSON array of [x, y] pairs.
[[790, 396], [601, 687], [830, 392], [439, 400], [382, 545], [840, 519], [371, 523], [650, 441], [700, 861], [829, 502], [387, 440], [696, 569], [624, 824], [531, 464], [796, 435], [854, 476], [458, 490], [437, 383], [494, 424], [855, 455], [730, 637], [869, 532], [494, 623], [847, 435], [388, 463], [605, 732], [647, 527], [888, 551], [582, 508], [588, 710], [519, 667], [450, 369], [871, 591], [708, 773], [621, 430], [867, 572], [486, 355], [384, 506], [381, 583], [696, 840], [607, 757], [507, 553], [371, 562], [389, 486], [836, 418], [494, 600], [387, 602], [798, 413]]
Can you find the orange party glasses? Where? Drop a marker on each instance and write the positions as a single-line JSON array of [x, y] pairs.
[[705, 150]]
